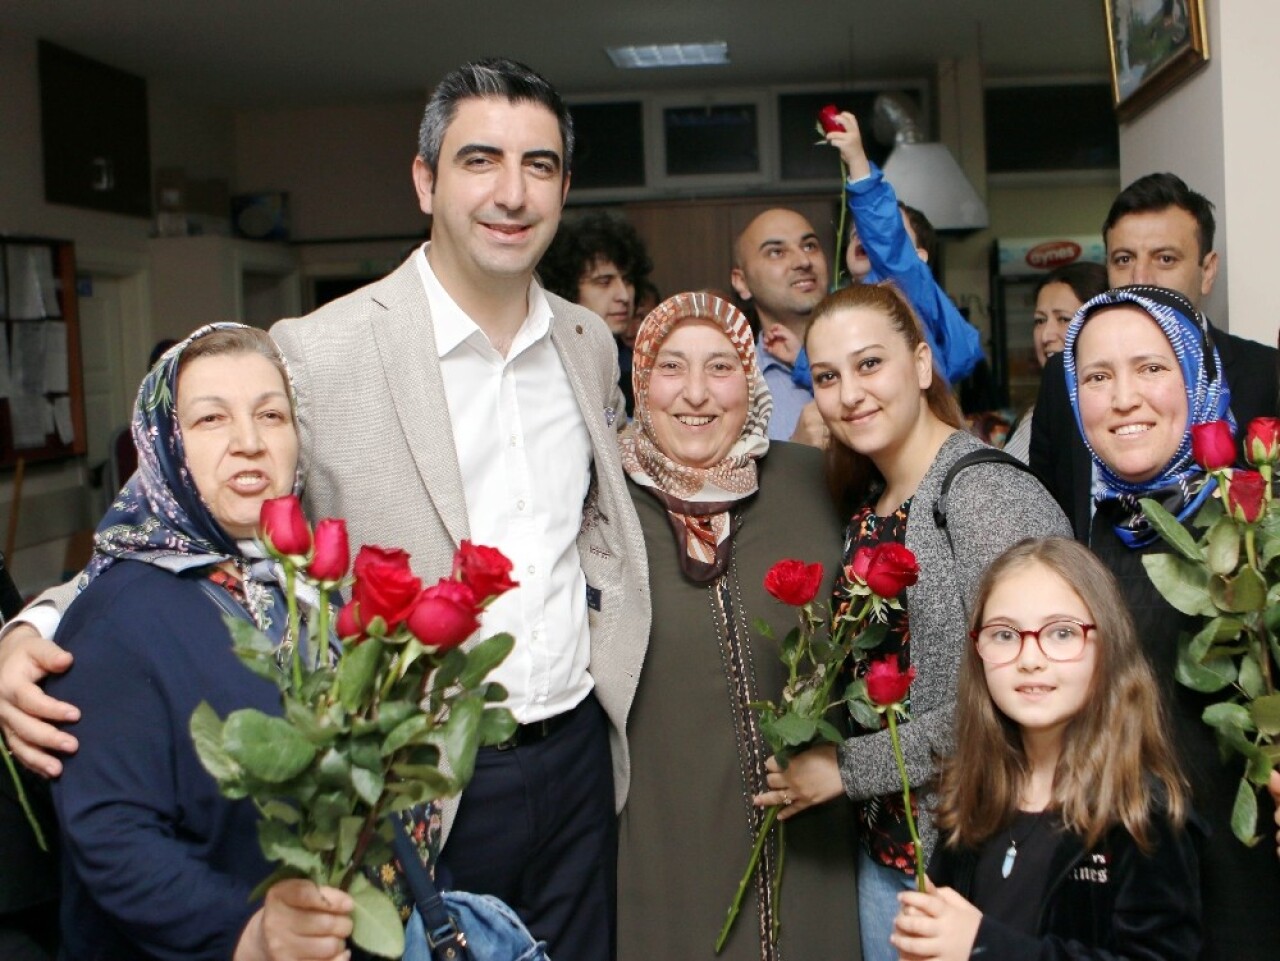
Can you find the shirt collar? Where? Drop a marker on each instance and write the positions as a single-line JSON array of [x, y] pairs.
[[453, 326]]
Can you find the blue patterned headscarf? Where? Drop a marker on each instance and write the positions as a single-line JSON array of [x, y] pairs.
[[1181, 486], [159, 516]]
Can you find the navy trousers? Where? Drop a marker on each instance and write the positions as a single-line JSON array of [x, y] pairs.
[[536, 827]]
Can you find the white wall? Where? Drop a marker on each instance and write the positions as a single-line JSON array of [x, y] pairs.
[[1218, 132]]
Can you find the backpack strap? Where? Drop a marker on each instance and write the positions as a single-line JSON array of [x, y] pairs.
[[986, 455]]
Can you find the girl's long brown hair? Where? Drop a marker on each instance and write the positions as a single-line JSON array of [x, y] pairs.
[[850, 475], [1117, 763]]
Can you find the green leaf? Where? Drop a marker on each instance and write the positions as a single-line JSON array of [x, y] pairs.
[[794, 730], [460, 736], [1244, 814], [415, 729], [377, 925], [1212, 675], [365, 752], [1224, 546], [1250, 679], [349, 829], [256, 651], [279, 843], [762, 627], [1228, 716], [1266, 714], [1171, 530], [1214, 631], [280, 811], [356, 673], [268, 748], [1244, 593], [206, 734], [367, 784], [496, 725], [1183, 584], [829, 732], [334, 769], [391, 714], [484, 657], [871, 638], [435, 780]]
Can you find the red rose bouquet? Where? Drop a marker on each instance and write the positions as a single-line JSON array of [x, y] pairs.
[[816, 660], [1230, 578], [388, 719]]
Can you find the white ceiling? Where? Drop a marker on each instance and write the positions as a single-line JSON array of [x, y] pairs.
[[248, 53]]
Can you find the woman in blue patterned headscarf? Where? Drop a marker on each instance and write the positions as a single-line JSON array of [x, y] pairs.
[[1141, 372], [156, 862]]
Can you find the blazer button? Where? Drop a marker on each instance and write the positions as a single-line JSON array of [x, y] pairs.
[[578, 328]]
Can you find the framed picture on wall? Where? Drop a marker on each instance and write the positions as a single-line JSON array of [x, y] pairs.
[[1154, 45]]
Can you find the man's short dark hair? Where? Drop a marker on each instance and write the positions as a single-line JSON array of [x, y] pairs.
[[579, 243], [1156, 192], [495, 77]]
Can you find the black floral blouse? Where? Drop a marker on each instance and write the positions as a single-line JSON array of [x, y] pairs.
[[884, 829]]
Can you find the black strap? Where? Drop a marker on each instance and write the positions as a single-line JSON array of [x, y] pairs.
[[445, 939], [986, 455]]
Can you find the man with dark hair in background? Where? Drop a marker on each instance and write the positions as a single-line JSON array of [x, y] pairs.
[[597, 262], [1158, 232]]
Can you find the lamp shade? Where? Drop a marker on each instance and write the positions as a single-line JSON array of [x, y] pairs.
[[926, 176]]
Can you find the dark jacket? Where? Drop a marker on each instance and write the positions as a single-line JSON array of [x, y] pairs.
[[1058, 454], [1105, 904]]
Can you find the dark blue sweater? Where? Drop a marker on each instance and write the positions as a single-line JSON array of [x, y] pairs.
[[156, 863]]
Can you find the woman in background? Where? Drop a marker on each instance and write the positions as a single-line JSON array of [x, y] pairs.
[[1059, 295]]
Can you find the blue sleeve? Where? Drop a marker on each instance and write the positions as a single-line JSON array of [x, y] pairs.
[[874, 206], [123, 807], [800, 373]]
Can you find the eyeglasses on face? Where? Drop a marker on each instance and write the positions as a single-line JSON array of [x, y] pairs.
[[1061, 640]]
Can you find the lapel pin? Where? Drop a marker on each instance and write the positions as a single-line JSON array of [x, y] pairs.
[[610, 415]]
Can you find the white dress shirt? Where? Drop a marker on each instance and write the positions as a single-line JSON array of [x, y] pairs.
[[525, 457]]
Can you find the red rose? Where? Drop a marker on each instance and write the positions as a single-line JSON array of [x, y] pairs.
[[1212, 445], [890, 568], [858, 567], [1245, 494], [886, 684], [794, 582], [285, 526], [829, 118], [329, 563], [1262, 441], [348, 624], [384, 587], [486, 570], [445, 615]]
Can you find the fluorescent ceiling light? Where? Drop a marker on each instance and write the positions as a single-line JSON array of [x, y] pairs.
[[711, 54]]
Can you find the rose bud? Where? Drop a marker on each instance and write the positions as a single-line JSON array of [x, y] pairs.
[[348, 624], [829, 119], [284, 525], [1262, 441], [1212, 446], [892, 568], [861, 564], [329, 563], [385, 586], [794, 582], [1245, 495], [486, 570], [445, 615], [887, 684]]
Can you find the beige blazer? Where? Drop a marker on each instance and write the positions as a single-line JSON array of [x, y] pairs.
[[379, 451]]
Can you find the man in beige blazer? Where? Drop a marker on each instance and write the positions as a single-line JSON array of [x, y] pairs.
[[392, 442]]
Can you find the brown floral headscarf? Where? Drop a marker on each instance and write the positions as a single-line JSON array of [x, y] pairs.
[[698, 499]]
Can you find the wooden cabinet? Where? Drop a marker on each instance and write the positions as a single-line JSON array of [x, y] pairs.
[[42, 410]]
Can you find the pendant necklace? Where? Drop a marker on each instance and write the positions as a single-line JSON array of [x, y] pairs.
[[1011, 854]]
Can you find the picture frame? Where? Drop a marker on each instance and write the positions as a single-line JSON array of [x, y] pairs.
[[1154, 46]]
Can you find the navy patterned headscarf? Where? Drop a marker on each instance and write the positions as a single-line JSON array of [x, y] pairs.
[[1181, 486], [159, 516]]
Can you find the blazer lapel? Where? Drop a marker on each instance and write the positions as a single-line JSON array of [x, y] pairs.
[[405, 338], [566, 338]]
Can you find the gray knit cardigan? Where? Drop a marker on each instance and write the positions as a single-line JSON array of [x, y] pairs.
[[989, 508]]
